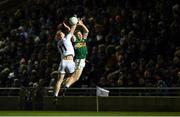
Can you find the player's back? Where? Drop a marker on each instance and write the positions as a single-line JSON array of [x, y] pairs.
[[65, 46]]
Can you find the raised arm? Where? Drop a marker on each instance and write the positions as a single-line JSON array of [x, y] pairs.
[[66, 26], [71, 31], [85, 29]]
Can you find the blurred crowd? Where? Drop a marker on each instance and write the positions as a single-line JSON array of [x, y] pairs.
[[131, 43]]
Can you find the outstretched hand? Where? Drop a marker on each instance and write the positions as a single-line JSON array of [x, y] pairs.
[[80, 22], [66, 25]]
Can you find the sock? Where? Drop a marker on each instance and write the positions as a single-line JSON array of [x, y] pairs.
[[67, 86], [56, 94]]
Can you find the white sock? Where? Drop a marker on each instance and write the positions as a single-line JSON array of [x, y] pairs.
[[56, 94], [67, 86]]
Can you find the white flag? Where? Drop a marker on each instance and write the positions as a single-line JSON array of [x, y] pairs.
[[101, 92]]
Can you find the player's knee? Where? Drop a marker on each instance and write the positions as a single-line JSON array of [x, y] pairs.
[[76, 79], [59, 81]]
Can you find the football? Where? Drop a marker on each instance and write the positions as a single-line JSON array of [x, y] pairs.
[[73, 20]]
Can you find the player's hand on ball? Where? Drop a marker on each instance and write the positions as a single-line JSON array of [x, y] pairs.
[[73, 20], [80, 22]]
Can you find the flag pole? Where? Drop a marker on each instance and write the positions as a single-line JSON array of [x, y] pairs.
[[97, 101], [100, 92]]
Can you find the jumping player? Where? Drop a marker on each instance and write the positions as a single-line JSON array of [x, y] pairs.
[[66, 50], [81, 52]]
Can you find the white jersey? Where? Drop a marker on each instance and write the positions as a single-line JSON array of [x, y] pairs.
[[65, 46]]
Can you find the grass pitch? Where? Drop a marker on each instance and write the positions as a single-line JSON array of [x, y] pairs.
[[85, 113]]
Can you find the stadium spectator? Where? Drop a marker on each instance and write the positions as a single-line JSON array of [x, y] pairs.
[[146, 34]]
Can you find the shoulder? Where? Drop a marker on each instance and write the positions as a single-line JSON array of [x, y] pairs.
[[68, 36]]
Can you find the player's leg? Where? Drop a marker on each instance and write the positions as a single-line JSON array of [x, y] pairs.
[[61, 74], [70, 68], [80, 64], [75, 76], [58, 84]]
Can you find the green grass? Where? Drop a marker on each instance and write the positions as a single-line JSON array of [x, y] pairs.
[[85, 113]]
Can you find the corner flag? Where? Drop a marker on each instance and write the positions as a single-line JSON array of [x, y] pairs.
[[101, 92]]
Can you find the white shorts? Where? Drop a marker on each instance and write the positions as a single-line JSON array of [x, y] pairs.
[[80, 63], [66, 66]]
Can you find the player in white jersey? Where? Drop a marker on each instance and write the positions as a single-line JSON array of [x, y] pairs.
[[66, 50]]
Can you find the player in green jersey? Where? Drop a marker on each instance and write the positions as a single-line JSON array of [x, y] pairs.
[[81, 52]]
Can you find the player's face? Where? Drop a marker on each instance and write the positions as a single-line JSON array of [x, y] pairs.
[[60, 35], [79, 35]]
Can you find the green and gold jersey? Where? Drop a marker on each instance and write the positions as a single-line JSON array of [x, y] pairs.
[[81, 50]]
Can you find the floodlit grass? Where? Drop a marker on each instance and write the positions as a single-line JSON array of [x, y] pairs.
[[85, 113]]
